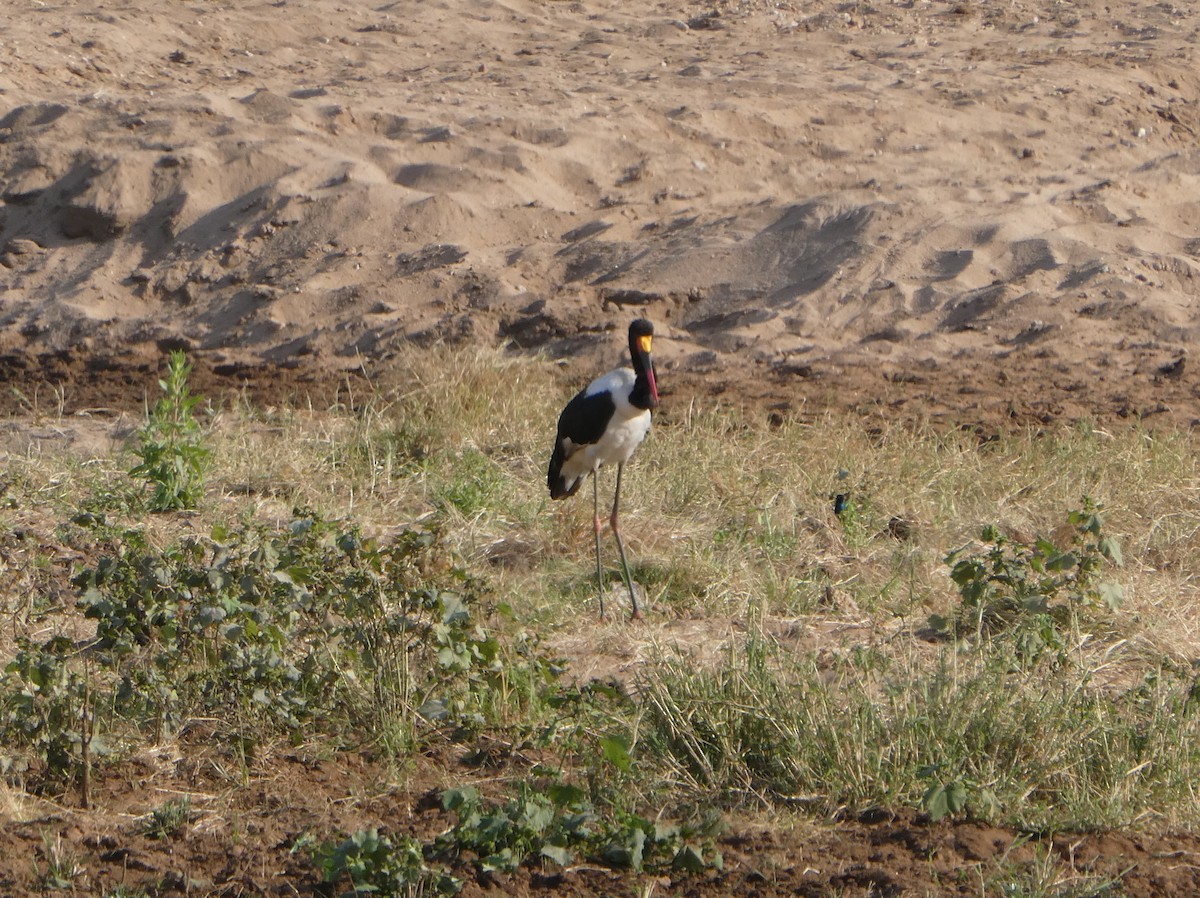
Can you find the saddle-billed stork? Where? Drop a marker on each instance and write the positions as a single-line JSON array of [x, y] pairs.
[[604, 424]]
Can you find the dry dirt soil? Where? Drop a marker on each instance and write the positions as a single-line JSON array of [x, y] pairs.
[[982, 213]]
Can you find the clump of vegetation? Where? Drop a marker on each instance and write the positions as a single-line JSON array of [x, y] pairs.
[[1035, 587], [171, 444], [168, 819], [965, 732], [44, 709], [376, 865], [62, 868], [540, 824], [259, 629], [255, 626], [558, 823]]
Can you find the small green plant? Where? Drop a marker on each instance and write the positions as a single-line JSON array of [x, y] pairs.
[[375, 865], [167, 819], [62, 864], [1047, 875], [556, 823], [852, 507], [472, 483], [1033, 587], [170, 445], [43, 705], [952, 797]]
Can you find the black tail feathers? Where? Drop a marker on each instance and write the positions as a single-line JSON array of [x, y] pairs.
[[559, 488]]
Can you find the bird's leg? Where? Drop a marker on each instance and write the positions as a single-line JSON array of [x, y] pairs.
[[596, 531], [636, 613]]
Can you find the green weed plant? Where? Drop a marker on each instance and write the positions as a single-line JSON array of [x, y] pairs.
[[1035, 588], [377, 865], [171, 444], [259, 628], [557, 823]]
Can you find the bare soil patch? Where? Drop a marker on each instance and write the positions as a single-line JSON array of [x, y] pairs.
[[240, 837]]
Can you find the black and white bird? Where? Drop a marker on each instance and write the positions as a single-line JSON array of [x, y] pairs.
[[603, 425]]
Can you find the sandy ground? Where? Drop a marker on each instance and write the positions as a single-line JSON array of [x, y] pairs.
[[973, 211]]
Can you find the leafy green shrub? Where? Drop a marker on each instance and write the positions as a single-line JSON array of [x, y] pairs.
[[556, 822], [1034, 587], [170, 445], [43, 703], [279, 629], [376, 865], [303, 630]]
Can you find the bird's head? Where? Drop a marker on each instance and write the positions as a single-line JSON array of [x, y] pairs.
[[641, 337]]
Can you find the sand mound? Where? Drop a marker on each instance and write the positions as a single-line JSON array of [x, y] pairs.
[[945, 208]]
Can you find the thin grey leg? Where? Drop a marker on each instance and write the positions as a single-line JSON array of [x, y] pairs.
[[596, 532], [636, 613]]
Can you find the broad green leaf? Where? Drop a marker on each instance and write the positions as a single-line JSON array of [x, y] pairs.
[[626, 854], [941, 799], [934, 802], [689, 859], [454, 799], [1112, 594], [956, 796], [557, 853], [616, 752], [435, 710], [566, 795], [454, 610], [1046, 547], [1063, 561]]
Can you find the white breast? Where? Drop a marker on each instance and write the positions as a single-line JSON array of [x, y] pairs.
[[625, 432]]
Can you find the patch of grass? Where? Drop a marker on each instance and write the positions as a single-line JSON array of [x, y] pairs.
[[468, 483], [1040, 748], [1045, 875], [168, 819], [59, 866]]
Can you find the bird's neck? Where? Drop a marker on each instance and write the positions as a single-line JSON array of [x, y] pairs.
[[645, 387]]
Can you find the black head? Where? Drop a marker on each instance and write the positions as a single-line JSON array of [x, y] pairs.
[[645, 389], [641, 335], [640, 328]]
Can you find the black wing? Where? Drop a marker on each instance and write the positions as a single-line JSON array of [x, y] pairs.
[[585, 418], [582, 422]]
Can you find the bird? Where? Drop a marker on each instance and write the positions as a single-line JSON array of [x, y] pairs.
[[602, 425]]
